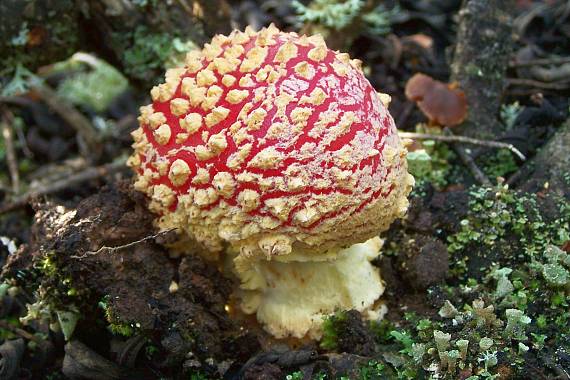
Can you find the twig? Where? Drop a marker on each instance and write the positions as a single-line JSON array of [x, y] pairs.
[[538, 84], [472, 166], [515, 178], [16, 100], [128, 245], [541, 62], [468, 161], [464, 140], [74, 118], [186, 7], [74, 179], [11, 158]]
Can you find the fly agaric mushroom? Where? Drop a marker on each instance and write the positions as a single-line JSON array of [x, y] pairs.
[[276, 150], [443, 104]]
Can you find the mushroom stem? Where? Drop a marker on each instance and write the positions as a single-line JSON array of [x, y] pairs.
[[293, 293]]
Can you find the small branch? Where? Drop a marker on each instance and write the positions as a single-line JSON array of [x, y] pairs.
[[74, 118], [472, 166], [541, 62], [186, 7], [74, 179], [128, 245], [514, 178], [468, 161], [11, 158], [463, 140], [538, 84]]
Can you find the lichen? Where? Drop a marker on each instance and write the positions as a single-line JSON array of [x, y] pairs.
[[150, 52], [498, 164], [430, 163], [333, 14], [509, 114], [508, 300], [336, 15], [95, 85], [496, 213]]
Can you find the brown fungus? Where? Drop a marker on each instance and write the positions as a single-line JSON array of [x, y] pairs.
[[443, 104]]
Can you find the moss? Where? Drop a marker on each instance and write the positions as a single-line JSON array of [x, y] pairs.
[[566, 178], [297, 375], [499, 213], [331, 326], [372, 370], [116, 326], [6, 334], [499, 164], [508, 300], [198, 376]]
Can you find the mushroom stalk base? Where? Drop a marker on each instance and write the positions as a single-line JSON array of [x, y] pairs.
[[291, 294]]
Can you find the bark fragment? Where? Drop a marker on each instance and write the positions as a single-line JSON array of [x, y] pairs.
[[550, 169], [484, 44]]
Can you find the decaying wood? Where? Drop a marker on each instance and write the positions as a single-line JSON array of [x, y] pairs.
[[482, 51], [550, 169]]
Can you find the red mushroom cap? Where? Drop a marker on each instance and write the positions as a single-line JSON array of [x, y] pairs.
[[267, 139]]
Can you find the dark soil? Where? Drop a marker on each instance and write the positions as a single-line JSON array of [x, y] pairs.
[[135, 280]]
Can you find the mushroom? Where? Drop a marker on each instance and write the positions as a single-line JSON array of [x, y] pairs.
[[277, 153], [443, 104]]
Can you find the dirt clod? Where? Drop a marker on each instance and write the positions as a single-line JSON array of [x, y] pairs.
[[266, 371], [354, 337], [132, 282], [423, 262]]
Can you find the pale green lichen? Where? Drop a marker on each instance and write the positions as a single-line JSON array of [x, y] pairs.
[[509, 114], [67, 322], [333, 14], [499, 328], [339, 14], [430, 163], [95, 85], [516, 324], [22, 81], [499, 164]]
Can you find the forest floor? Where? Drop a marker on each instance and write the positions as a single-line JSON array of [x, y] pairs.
[[477, 274]]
